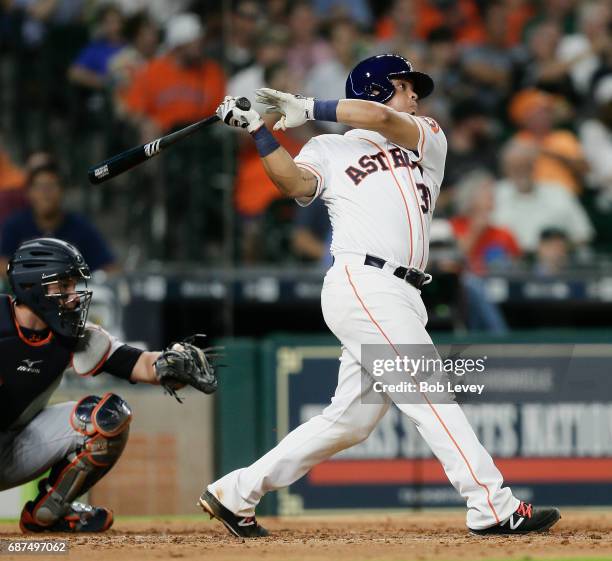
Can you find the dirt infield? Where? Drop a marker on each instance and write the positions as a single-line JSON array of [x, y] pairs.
[[430, 536]]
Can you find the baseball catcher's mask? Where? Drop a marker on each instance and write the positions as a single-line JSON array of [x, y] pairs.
[[50, 277], [371, 78]]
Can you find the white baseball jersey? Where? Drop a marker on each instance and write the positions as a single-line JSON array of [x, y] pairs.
[[380, 196]]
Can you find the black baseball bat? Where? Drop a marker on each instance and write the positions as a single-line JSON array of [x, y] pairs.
[[129, 159]]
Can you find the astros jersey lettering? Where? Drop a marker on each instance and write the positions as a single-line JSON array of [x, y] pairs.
[[380, 196]]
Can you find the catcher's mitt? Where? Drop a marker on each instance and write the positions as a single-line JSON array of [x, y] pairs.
[[186, 364]]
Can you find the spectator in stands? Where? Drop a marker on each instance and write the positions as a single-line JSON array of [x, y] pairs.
[[48, 34], [328, 79], [356, 10], [277, 12], [596, 138], [441, 62], [471, 142], [271, 48], [520, 12], [179, 87], [237, 47], [310, 239], [561, 12], [461, 16], [38, 158], [161, 11], [542, 69], [90, 69], [485, 245], [40, 15], [488, 66], [397, 33], [308, 48], [527, 206], [142, 35], [561, 159], [12, 181], [553, 254], [11, 175], [47, 217], [584, 50]]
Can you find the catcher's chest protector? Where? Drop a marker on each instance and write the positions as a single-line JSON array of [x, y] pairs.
[[29, 371]]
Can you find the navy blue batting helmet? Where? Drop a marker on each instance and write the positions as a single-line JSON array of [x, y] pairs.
[[371, 78]]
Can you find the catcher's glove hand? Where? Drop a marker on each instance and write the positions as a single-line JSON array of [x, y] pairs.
[[185, 364]]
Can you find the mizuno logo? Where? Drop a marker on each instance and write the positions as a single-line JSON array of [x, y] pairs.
[[249, 521], [31, 363], [29, 366], [152, 148]]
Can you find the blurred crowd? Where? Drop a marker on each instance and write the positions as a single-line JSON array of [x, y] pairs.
[[523, 92]]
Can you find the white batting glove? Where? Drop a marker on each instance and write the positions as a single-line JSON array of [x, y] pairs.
[[295, 109], [235, 117]]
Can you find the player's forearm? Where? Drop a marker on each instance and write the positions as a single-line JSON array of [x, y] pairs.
[[369, 115], [361, 114], [290, 180], [143, 370]]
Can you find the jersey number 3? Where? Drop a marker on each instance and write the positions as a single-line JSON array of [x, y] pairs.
[[425, 197]]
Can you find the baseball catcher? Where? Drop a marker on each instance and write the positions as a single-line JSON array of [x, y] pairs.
[[44, 334]]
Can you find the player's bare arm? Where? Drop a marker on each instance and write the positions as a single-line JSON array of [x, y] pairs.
[[393, 120], [144, 369], [291, 180]]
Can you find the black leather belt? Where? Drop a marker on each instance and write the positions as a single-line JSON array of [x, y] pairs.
[[412, 276]]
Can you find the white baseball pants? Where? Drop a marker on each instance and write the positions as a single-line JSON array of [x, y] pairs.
[[365, 305]]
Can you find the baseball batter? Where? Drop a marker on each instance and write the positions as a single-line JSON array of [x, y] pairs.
[[380, 182], [44, 335]]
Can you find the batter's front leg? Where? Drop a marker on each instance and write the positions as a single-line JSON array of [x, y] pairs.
[[468, 465]]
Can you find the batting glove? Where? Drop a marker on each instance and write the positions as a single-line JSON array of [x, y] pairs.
[[295, 109], [235, 117]]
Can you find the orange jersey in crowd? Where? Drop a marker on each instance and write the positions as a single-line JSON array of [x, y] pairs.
[[171, 95], [429, 17], [254, 190], [551, 169], [11, 177], [471, 30]]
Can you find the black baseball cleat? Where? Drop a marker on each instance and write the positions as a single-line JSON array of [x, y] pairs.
[[80, 518], [525, 519], [241, 526]]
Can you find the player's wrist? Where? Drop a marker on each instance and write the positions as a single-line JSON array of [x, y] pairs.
[[264, 141], [325, 110], [255, 124]]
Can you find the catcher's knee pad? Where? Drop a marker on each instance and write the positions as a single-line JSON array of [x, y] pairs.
[[105, 424]]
